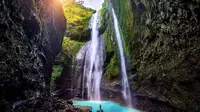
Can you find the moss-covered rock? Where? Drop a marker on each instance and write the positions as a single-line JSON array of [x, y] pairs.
[[112, 69], [71, 47], [112, 64], [161, 41], [78, 18]]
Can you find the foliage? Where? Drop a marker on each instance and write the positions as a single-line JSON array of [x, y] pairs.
[[78, 18], [106, 27], [57, 71], [71, 47], [126, 21], [112, 69]]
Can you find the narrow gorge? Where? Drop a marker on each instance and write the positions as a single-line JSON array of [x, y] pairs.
[[99, 56]]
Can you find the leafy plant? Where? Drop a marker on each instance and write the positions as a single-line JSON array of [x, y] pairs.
[[57, 71], [78, 18]]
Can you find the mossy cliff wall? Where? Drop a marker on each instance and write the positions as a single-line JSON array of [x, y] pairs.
[[31, 34], [162, 45], [126, 20]]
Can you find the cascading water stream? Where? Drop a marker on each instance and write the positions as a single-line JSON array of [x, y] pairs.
[[94, 45], [94, 62], [125, 84]]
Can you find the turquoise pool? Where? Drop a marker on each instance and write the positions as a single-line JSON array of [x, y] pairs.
[[107, 106]]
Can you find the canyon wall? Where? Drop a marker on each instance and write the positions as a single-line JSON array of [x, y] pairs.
[[31, 34], [162, 46]]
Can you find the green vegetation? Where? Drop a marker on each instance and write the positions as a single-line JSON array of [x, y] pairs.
[[105, 17], [125, 17], [71, 47], [78, 18], [77, 33], [112, 69], [106, 27], [57, 70], [126, 21]]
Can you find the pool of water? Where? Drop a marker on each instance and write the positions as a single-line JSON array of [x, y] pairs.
[[107, 106]]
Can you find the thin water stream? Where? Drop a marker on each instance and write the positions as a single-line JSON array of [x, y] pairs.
[[125, 84]]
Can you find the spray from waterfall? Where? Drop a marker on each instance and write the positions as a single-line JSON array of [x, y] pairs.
[[125, 84]]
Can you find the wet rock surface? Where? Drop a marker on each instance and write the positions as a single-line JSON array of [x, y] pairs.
[[69, 85], [112, 91]]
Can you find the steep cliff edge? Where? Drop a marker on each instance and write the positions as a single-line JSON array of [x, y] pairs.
[[162, 45], [31, 34]]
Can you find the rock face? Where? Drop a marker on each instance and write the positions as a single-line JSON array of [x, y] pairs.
[[162, 48], [31, 33], [69, 85], [79, 70]]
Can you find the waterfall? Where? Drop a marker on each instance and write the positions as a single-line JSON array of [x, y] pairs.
[[125, 84], [93, 62]]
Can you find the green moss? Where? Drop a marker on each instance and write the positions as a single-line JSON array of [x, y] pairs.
[[109, 40], [125, 18], [71, 47], [105, 17], [126, 21], [106, 27], [78, 18], [57, 71], [112, 70]]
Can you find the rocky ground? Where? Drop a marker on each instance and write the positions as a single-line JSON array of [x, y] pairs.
[[51, 104]]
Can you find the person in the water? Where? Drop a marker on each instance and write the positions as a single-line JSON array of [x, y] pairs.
[[100, 110]]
